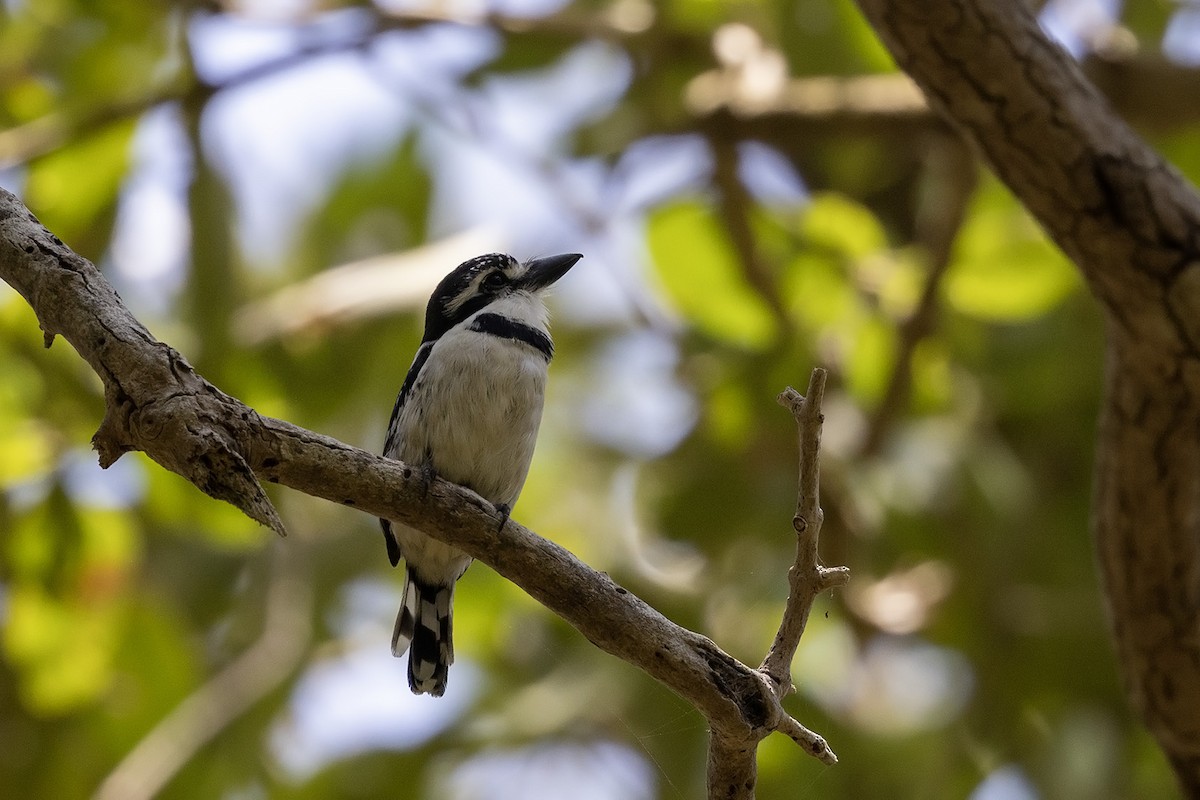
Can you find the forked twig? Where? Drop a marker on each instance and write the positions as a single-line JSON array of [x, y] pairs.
[[807, 578]]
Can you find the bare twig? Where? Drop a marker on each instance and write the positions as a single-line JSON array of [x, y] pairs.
[[814, 743], [732, 759], [168, 747], [807, 578]]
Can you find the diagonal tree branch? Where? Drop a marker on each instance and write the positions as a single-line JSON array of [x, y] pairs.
[[734, 204], [156, 403], [152, 395], [951, 174]]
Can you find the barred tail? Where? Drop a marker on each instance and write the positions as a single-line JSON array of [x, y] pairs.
[[424, 625]]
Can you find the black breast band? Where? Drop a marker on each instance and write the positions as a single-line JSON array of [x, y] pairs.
[[505, 328]]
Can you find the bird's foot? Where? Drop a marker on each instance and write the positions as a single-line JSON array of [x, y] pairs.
[[505, 511], [428, 476]]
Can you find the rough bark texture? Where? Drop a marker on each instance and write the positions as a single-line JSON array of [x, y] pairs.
[[1132, 225], [156, 403]]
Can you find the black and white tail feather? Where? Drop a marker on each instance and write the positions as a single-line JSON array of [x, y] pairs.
[[424, 624], [468, 411]]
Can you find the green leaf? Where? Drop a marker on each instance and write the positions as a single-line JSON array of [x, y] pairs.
[[825, 37], [818, 289], [703, 278], [696, 16], [1148, 20], [1004, 268], [74, 190], [25, 450], [872, 346], [71, 572], [932, 385], [364, 213], [177, 507], [1182, 149], [523, 53], [835, 222], [63, 649], [846, 257]]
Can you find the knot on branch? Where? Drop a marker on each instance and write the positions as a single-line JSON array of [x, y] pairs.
[[111, 440], [832, 577], [193, 435], [790, 399]]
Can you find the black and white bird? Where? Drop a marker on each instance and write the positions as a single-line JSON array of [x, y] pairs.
[[468, 412]]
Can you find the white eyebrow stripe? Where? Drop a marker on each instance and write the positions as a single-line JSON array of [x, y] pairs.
[[467, 293], [513, 270]]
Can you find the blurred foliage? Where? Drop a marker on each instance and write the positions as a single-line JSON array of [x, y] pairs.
[[970, 643]]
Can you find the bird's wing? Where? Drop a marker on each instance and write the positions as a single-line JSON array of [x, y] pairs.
[[392, 444]]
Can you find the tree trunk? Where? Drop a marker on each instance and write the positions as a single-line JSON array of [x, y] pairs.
[[1132, 225]]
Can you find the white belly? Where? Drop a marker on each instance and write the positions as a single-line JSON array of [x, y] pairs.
[[473, 412]]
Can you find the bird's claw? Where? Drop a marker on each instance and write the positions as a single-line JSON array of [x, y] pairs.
[[428, 476], [505, 511]]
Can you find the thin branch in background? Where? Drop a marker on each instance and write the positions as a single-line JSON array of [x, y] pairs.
[[169, 746], [45, 134], [734, 205], [950, 178], [1150, 92], [806, 577], [569, 24]]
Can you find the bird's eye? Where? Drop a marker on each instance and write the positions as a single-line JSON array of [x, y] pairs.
[[494, 281]]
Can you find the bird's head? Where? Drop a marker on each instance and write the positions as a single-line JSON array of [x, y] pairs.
[[483, 280]]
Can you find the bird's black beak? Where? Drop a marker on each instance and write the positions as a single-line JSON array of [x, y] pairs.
[[541, 272]]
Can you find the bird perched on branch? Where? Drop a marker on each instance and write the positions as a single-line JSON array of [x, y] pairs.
[[468, 412]]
